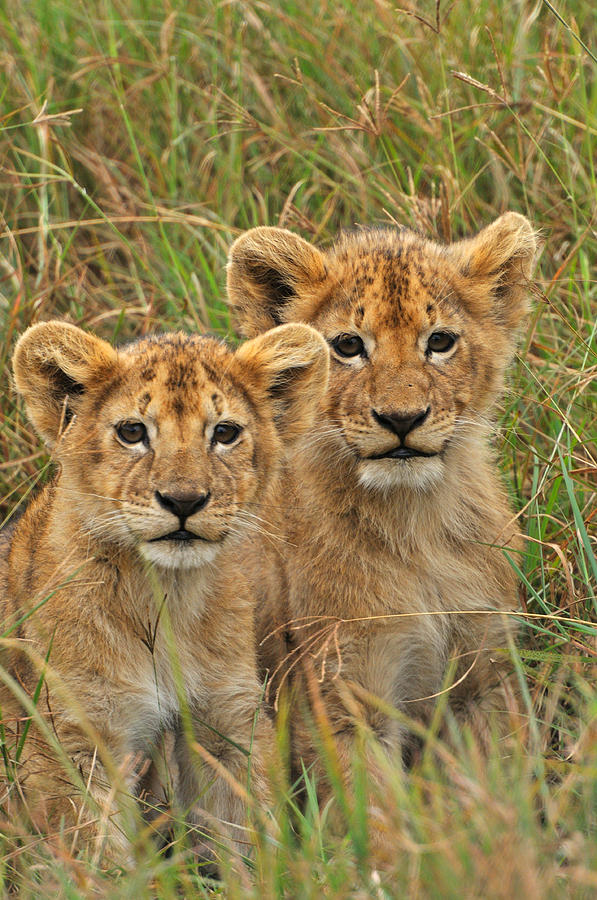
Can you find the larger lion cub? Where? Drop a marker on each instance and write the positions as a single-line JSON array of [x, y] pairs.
[[393, 517], [120, 582]]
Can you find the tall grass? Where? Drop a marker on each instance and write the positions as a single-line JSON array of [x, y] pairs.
[[137, 139]]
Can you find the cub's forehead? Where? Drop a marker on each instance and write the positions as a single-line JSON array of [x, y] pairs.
[[179, 373], [389, 279], [176, 358]]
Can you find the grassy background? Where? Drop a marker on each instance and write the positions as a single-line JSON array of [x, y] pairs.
[[138, 138]]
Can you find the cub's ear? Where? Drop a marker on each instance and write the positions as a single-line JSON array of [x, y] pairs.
[[499, 264], [288, 366], [273, 277], [53, 364]]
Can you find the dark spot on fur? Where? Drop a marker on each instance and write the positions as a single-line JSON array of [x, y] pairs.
[[181, 375], [227, 380], [144, 402], [218, 403], [211, 373], [103, 394]]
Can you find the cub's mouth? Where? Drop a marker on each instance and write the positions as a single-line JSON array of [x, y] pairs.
[[402, 453], [181, 535]]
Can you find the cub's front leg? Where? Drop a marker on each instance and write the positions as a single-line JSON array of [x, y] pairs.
[[73, 788], [337, 685], [377, 680], [486, 697], [223, 765]]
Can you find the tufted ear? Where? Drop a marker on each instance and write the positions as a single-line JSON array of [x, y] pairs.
[[54, 363], [288, 366], [273, 277], [499, 263]]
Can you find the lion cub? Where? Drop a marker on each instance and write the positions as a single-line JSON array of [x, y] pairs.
[[129, 614], [393, 517]]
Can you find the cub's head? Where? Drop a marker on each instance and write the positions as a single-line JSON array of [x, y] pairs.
[[419, 333], [166, 444]]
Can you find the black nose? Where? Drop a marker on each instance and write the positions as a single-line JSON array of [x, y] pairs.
[[182, 505], [401, 423]]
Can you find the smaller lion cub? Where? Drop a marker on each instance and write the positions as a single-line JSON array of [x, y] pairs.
[[126, 611]]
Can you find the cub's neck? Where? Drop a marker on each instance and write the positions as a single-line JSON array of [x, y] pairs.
[[467, 503]]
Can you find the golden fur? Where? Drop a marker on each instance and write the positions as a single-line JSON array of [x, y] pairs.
[[136, 628], [394, 559]]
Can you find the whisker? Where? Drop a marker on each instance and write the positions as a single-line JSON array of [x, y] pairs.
[[255, 528], [92, 494]]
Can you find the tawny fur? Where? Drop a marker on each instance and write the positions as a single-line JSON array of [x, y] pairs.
[[394, 561], [120, 614]]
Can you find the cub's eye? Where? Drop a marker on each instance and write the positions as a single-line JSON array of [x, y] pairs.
[[348, 345], [131, 432], [226, 432], [441, 342]]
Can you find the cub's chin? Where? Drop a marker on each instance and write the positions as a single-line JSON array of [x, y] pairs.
[[418, 473], [180, 554]]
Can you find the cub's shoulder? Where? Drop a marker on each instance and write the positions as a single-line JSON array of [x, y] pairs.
[[21, 532]]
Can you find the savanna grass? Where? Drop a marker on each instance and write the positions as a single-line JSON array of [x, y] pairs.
[[137, 139]]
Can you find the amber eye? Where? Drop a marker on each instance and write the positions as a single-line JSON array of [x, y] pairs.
[[131, 432], [226, 432], [348, 345], [441, 342]]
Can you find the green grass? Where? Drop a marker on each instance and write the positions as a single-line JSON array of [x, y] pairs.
[[137, 139]]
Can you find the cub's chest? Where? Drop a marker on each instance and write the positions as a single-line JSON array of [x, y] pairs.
[[157, 656], [158, 683], [359, 576]]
